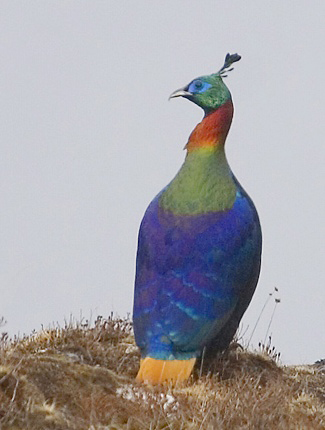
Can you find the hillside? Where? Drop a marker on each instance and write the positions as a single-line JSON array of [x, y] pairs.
[[82, 377]]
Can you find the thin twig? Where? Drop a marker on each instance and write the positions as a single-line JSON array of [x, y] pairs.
[[259, 317], [202, 359], [268, 327]]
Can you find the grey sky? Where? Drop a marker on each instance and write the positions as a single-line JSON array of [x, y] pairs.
[[88, 139]]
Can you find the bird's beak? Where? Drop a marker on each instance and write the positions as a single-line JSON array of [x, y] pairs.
[[180, 93]]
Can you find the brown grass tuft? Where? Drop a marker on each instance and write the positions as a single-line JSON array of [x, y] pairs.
[[82, 377]]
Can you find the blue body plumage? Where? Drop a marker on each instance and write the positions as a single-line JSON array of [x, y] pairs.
[[192, 272]]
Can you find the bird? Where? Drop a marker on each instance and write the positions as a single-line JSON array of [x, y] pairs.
[[199, 248]]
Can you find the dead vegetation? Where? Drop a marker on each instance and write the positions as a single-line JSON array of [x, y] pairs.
[[82, 377]]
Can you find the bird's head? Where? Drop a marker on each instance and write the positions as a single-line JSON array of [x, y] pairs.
[[209, 92]]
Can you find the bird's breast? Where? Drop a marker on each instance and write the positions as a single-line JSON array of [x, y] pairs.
[[203, 185]]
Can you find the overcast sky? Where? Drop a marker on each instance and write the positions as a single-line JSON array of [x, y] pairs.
[[88, 138]]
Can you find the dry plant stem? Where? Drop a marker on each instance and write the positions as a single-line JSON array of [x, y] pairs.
[[270, 322], [259, 317]]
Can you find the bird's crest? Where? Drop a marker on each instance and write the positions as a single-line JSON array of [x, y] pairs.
[[229, 60]]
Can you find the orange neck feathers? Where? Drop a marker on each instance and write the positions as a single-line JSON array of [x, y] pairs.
[[213, 129]]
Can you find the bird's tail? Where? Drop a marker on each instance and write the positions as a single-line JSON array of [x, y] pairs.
[[154, 371]]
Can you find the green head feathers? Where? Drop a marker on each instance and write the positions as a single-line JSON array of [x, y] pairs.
[[209, 92]]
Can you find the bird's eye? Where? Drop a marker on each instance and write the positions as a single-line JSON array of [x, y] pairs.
[[198, 86]]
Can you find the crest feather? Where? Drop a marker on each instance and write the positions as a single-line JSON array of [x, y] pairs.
[[229, 60]]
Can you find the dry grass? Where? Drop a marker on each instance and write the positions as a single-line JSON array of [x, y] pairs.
[[82, 377]]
